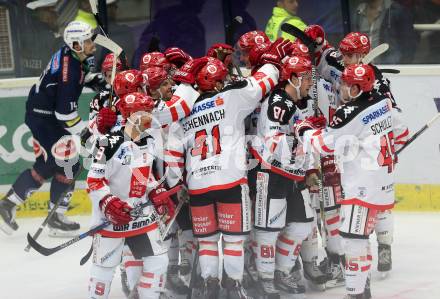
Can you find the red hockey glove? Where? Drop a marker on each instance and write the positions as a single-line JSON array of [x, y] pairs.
[[177, 56], [317, 34], [301, 126], [222, 52], [164, 206], [318, 122], [331, 175], [115, 210], [277, 51], [105, 120], [187, 73]]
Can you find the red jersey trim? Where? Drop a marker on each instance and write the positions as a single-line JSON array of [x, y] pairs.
[[131, 233], [275, 169], [358, 202], [218, 187]]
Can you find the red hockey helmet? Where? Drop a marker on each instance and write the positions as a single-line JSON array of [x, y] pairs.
[[214, 71], [256, 52], [154, 76], [299, 49], [107, 64], [248, 40], [355, 42], [295, 65], [134, 102], [127, 82], [360, 74], [154, 59]]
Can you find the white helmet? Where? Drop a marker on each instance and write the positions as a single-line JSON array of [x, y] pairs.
[[79, 32]]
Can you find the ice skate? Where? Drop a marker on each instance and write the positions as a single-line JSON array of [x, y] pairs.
[[174, 281], [314, 275], [211, 288], [288, 284], [234, 289], [335, 271], [61, 226], [268, 288], [7, 216]]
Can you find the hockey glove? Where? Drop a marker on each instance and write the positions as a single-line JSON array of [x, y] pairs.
[[95, 81], [187, 73], [332, 177], [164, 206], [318, 122], [177, 56], [115, 210], [317, 34], [301, 126], [277, 51], [222, 52], [105, 120]]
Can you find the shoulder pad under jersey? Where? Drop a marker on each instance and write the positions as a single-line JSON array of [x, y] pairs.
[[280, 107], [107, 145]]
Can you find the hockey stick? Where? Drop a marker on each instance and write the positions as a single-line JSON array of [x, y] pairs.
[[238, 20], [389, 71], [135, 212], [373, 54], [311, 45], [195, 265], [51, 213], [170, 224], [423, 129]]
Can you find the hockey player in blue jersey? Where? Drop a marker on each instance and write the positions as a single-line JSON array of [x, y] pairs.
[[52, 117]]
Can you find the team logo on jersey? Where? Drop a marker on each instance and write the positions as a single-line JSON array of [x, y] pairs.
[[55, 64], [348, 110]]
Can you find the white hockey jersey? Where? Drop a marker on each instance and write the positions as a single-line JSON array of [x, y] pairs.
[[212, 137], [123, 168], [362, 137]]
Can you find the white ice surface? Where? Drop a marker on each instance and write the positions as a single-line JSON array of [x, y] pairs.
[[415, 274]]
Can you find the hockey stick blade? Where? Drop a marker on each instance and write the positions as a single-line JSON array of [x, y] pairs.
[[108, 44], [298, 33], [94, 6], [373, 54]]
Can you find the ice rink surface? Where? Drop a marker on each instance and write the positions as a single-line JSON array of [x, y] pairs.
[[415, 274]]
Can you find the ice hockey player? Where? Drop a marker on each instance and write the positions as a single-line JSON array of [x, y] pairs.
[[364, 128], [215, 161], [52, 116], [283, 215], [120, 178]]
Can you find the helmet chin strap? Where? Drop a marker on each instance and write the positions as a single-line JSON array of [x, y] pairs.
[[297, 87]]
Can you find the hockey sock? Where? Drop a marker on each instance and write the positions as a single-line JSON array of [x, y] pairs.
[[133, 267], [173, 250], [60, 191], [358, 264], [233, 257], [208, 256], [385, 227], [23, 187], [309, 248], [187, 246], [265, 253], [152, 281], [100, 281], [289, 243], [333, 223]]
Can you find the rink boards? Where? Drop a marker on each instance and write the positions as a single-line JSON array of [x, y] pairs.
[[417, 174]]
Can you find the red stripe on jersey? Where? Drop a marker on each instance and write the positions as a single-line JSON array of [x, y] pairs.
[[282, 251], [174, 113], [365, 268], [208, 252], [185, 108], [232, 252], [271, 83], [358, 202], [96, 183], [263, 87], [322, 144], [134, 264], [275, 169], [333, 220], [175, 164], [111, 234], [173, 153], [218, 187], [285, 240], [404, 134]]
